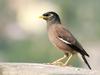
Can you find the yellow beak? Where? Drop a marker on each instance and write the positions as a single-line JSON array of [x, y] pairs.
[[43, 17]]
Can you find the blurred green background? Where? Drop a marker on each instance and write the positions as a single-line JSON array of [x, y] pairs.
[[23, 36]]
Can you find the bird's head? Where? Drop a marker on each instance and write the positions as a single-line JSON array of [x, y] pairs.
[[51, 17]]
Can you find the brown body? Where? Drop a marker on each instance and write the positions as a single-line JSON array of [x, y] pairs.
[[59, 30], [54, 30], [62, 38]]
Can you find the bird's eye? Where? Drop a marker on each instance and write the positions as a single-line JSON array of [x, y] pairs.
[[50, 15]]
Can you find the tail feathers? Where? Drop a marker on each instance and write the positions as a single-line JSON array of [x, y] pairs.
[[86, 61], [84, 52]]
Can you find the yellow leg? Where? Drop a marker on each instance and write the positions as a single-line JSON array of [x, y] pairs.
[[68, 59], [59, 61]]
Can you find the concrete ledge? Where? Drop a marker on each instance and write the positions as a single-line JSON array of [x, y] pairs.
[[41, 69]]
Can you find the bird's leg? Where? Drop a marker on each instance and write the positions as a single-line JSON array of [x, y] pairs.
[[59, 61], [68, 60]]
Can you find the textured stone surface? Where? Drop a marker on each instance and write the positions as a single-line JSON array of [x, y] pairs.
[[41, 69]]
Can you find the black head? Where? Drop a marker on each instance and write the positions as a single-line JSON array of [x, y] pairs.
[[51, 17]]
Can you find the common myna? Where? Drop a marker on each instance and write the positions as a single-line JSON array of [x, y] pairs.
[[62, 38]]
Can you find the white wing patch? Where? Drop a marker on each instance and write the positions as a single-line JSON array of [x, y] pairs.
[[64, 40]]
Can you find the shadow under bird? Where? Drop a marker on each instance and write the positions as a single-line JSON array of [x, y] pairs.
[[62, 38]]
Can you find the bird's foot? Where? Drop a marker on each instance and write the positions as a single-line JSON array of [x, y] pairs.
[[57, 63], [60, 62]]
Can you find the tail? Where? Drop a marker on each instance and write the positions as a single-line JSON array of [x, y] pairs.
[[86, 61]]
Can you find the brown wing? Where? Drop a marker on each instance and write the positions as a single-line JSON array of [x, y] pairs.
[[67, 36]]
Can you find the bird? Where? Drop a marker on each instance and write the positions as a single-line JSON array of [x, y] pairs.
[[62, 38]]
